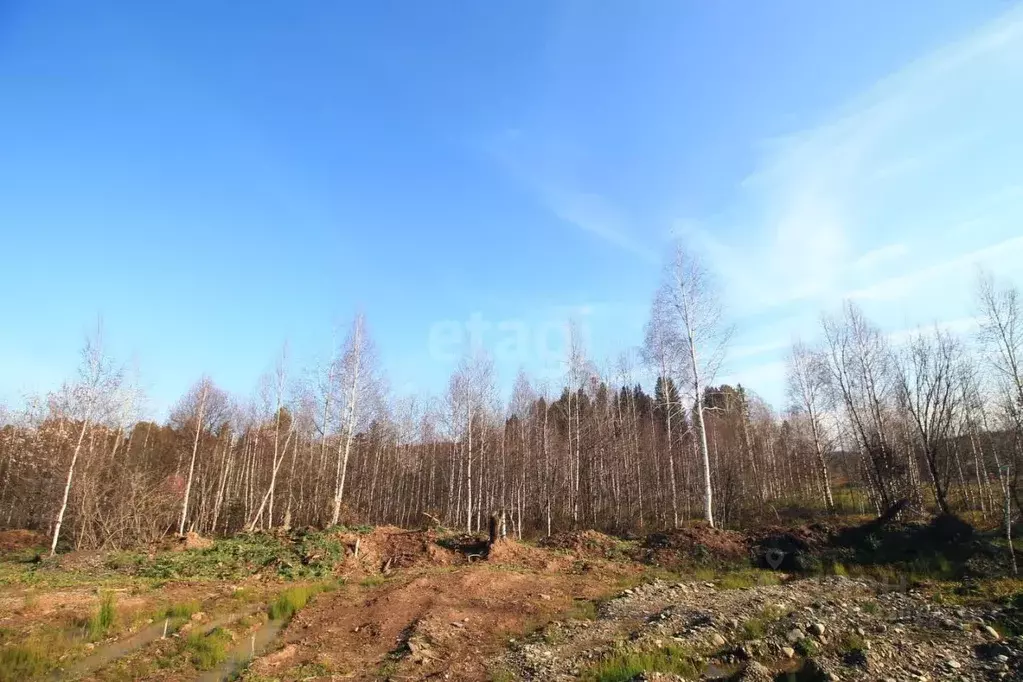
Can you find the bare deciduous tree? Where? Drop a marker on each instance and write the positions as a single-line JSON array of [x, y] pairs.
[[86, 401], [928, 373], [689, 309], [358, 377], [807, 389]]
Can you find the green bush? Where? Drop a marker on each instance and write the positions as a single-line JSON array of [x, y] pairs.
[[582, 609], [303, 555]]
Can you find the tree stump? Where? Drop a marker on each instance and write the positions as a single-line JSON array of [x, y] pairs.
[[497, 527]]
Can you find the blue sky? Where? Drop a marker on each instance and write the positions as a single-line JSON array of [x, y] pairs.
[[215, 179]]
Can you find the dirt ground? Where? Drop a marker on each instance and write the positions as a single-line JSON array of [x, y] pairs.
[[395, 604], [436, 624]]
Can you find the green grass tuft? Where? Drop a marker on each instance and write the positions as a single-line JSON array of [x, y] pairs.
[[852, 643], [758, 626], [372, 580], [582, 609], [806, 647], [208, 650], [625, 666], [23, 662], [99, 623], [747, 578], [180, 610], [290, 601]]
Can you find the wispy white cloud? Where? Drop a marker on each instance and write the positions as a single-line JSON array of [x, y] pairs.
[[962, 326], [818, 215], [880, 256], [900, 286], [894, 200], [549, 172], [739, 352]]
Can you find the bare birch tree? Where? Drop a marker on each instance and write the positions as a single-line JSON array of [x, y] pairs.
[[1001, 331], [85, 401], [690, 309], [862, 381], [201, 410], [807, 389], [928, 374], [665, 356], [358, 380], [280, 415]]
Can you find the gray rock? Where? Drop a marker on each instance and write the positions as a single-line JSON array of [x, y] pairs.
[[817, 629], [794, 635], [755, 672]]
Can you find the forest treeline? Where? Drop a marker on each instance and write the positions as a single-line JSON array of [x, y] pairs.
[[870, 421]]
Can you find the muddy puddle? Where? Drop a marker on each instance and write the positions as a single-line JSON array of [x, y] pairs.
[[110, 653], [252, 646], [106, 655], [719, 671], [787, 670]]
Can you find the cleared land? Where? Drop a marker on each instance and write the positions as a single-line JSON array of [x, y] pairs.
[[905, 601]]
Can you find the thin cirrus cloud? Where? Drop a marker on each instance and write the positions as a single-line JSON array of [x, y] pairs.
[[1003, 253], [860, 198], [549, 172], [893, 202]]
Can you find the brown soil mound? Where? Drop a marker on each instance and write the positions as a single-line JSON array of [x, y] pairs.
[[586, 544], [17, 540], [697, 543], [515, 553], [803, 538], [387, 548]]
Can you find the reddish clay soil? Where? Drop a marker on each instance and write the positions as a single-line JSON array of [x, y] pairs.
[[17, 540], [438, 624], [675, 547], [588, 544], [387, 548]]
